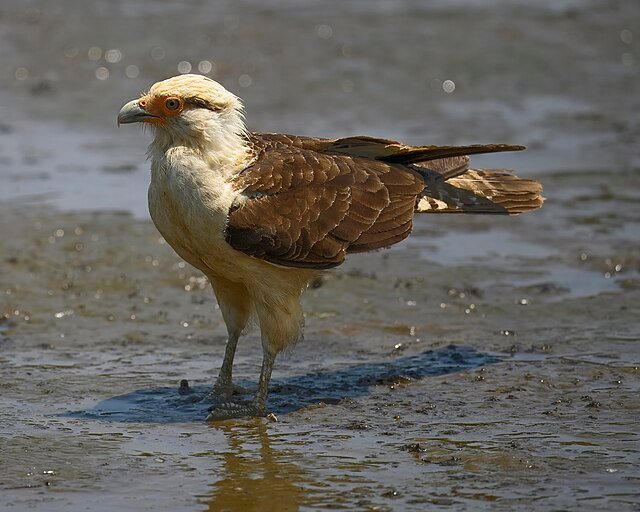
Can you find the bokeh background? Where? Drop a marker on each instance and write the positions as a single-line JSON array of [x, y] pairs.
[[484, 363], [560, 77]]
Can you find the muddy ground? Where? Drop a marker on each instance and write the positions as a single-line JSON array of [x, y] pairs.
[[483, 364]]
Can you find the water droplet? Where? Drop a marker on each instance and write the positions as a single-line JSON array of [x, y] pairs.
[[184, 67], [102, 73], [21, 74], [71, 51], [94, 53], [245, 80], [324, 31], [113, 56], [205, 66], [132, 71], [158, 53], [448, 86], [626, 36]]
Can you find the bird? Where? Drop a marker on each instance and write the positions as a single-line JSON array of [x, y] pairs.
[[263, 215]]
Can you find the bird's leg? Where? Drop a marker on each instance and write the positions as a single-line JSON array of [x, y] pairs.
[[224, 388], [257, 406], [280, 318], [260, 400], [235, 306]]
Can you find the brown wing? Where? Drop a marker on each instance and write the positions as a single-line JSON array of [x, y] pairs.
[[303, 205]]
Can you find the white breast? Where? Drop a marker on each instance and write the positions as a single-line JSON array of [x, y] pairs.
[[189, 202]]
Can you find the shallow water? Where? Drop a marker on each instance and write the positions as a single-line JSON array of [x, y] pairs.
[[483, 364]]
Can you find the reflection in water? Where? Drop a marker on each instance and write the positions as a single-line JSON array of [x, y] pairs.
[[255, 476]]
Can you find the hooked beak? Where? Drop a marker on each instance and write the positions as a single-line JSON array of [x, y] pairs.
[[132, 112]]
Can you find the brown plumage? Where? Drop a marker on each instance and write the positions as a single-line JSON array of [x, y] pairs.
[[308, 202], [262, 214]]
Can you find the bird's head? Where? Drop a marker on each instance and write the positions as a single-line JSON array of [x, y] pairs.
[[190, 110]]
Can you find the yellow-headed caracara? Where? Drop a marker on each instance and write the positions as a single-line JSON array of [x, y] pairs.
[[261, 214]]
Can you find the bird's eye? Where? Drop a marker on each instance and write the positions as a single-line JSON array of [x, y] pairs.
[[172, 104]]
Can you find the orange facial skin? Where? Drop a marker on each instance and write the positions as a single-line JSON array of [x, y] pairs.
[[161, 107]]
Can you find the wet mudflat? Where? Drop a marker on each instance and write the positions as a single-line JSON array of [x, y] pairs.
[[418, 384], [483, 364]]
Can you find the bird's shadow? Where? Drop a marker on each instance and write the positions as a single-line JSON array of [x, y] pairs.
[[168, 405]]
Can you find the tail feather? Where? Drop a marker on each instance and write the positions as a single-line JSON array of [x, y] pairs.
[[395, 152], [495, 192], [415, 154], [451, 187]]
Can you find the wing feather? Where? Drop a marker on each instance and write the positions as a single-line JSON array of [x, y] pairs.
[[301, 207], [308, 202]]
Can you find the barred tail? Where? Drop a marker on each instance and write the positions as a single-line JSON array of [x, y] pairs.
[[495, 192]]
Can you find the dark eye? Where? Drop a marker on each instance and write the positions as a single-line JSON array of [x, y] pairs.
[[172, 104]]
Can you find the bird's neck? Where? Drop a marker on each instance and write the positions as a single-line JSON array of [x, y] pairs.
[[225, 151]]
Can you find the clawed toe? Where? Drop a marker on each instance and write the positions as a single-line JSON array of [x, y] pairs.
[[229, 410]]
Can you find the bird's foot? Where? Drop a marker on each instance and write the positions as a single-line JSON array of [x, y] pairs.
[[229, 410], [223, 392]]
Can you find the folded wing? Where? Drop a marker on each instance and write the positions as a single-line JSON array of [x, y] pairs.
[[308, 202]]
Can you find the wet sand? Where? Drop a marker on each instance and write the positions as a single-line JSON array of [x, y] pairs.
[[483, 364]]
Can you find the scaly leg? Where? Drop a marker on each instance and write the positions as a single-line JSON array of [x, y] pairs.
[[224, 388], [235, 305], [257, 406], [280, 319]]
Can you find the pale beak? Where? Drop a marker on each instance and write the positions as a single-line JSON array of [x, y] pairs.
[[132, 112]]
